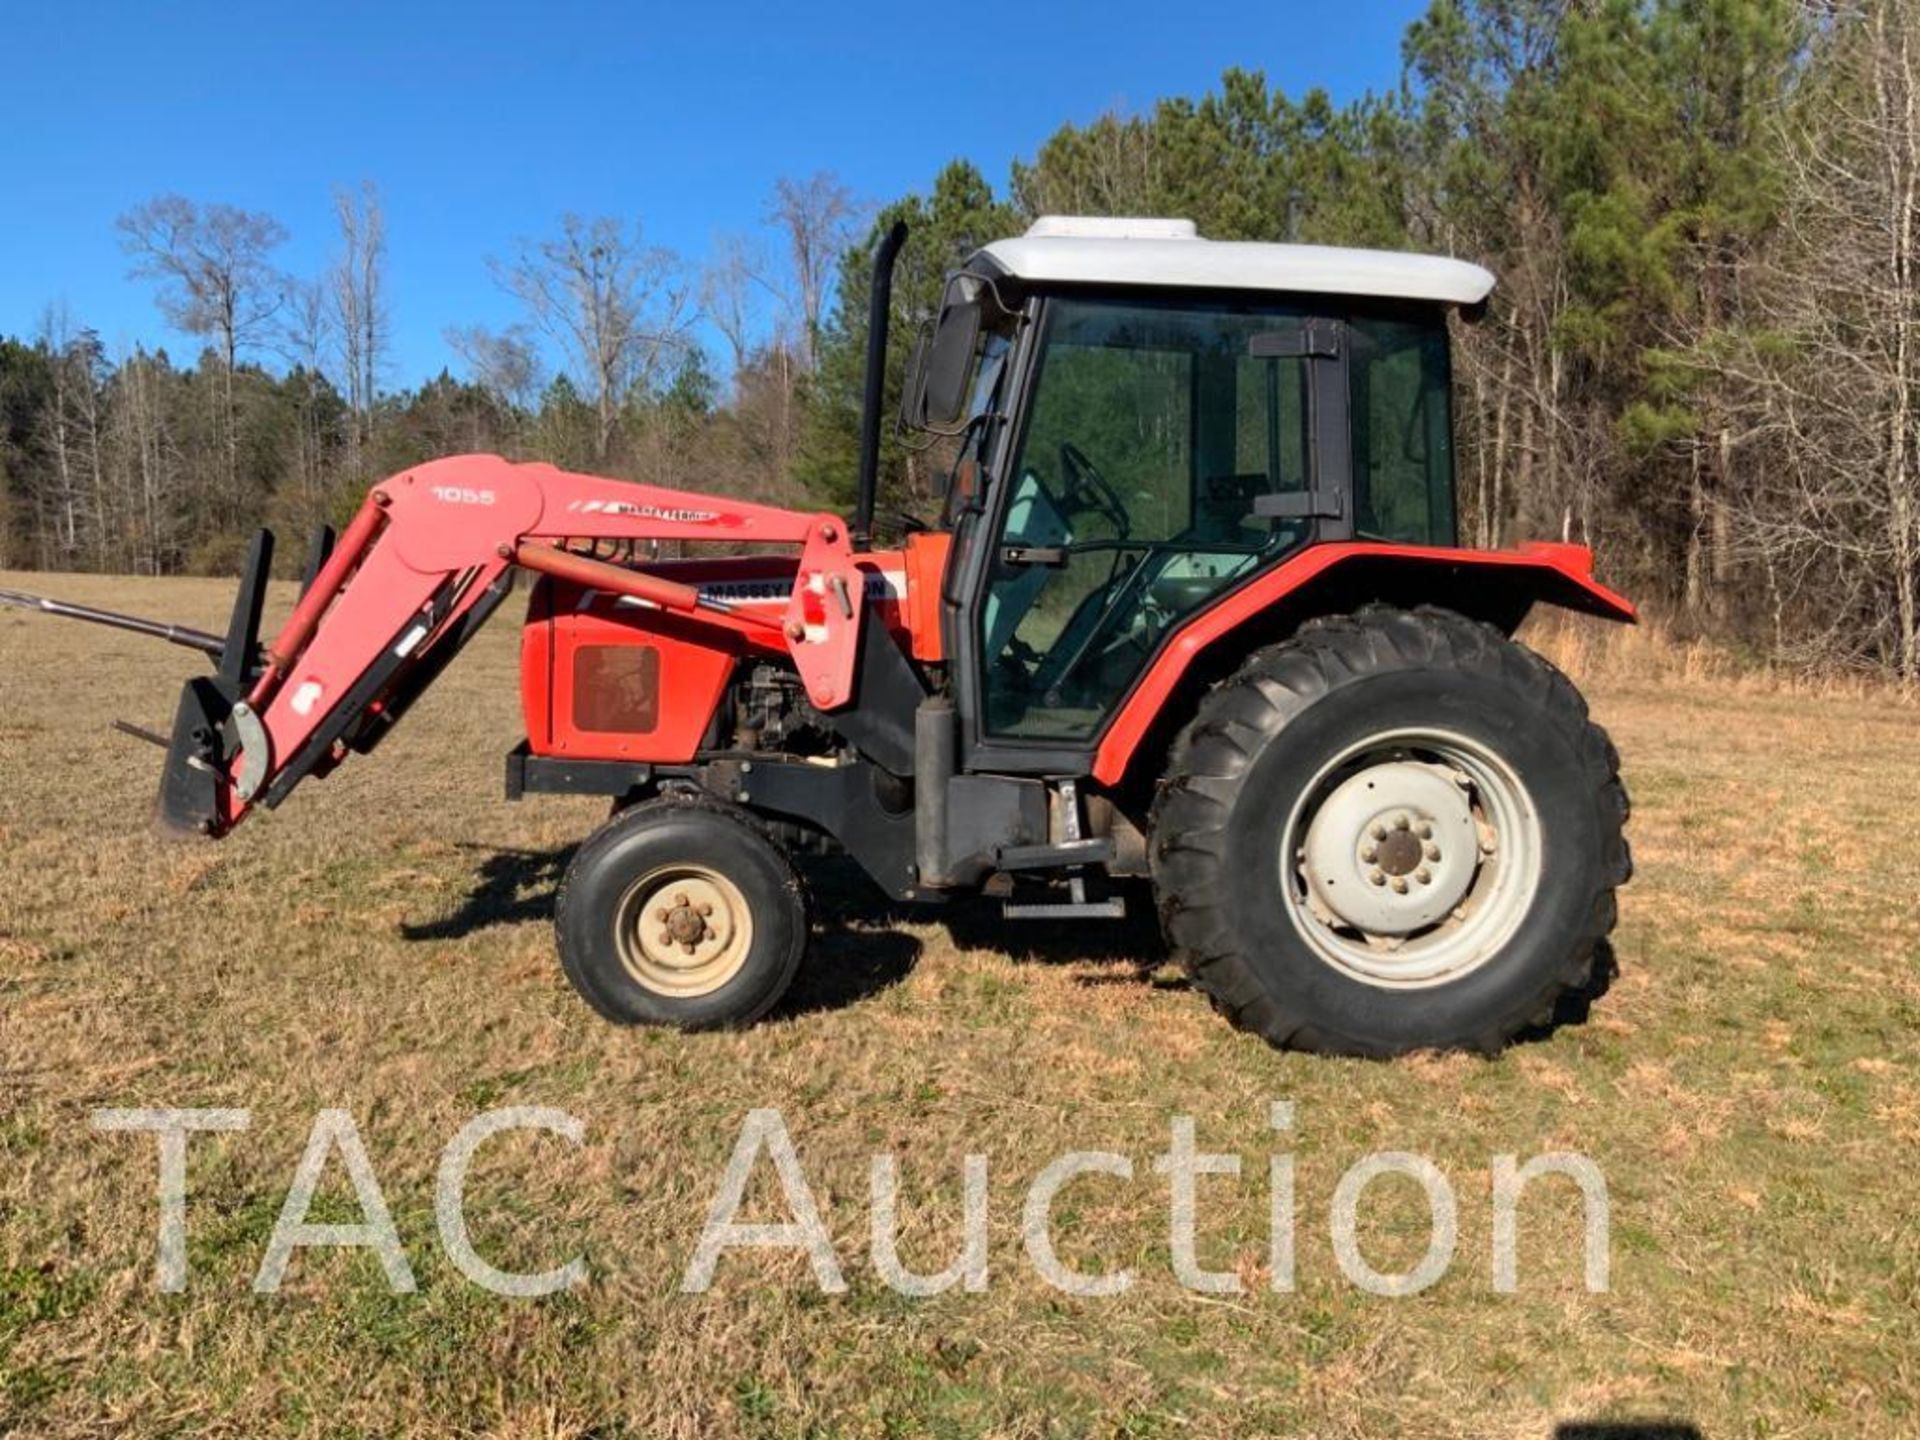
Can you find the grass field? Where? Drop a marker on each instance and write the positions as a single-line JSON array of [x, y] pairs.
[[1750, 1087]]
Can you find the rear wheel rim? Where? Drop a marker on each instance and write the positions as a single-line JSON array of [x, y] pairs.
[[683, 930], [1411, 858]]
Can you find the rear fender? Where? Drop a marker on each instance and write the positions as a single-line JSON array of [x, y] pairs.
[[1497, 586]]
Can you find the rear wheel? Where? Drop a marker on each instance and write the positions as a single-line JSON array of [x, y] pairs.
[[680, 912], [1396, 831]]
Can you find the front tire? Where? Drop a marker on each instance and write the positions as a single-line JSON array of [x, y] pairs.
[[1393, 832], [680, 912]]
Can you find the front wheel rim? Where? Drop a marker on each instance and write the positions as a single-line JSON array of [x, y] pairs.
[[683, 931], [1411, 858]]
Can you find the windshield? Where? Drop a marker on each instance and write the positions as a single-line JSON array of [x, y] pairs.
[[963, 479]]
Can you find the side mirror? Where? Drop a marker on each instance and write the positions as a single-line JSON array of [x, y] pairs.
[[948, 367]]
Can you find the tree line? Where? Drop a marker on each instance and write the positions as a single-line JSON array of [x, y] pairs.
[[145, 463], [1700, 358]]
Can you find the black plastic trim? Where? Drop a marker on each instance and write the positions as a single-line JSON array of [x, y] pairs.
[[841, 800], [530, 774], [886, 694]]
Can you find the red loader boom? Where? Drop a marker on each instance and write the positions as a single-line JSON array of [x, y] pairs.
[[421, 566]]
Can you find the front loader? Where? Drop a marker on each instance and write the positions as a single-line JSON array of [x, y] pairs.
[[1194, 614]]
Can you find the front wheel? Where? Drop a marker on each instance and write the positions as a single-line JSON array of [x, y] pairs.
[[1395, 831], [680, 912]]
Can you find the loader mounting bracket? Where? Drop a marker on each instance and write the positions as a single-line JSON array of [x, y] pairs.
[[198, 755]]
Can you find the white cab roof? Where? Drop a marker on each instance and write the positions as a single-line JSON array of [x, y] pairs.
[[1073, 249]]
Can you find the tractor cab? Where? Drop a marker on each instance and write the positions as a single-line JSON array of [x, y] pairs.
[[1145, 421]]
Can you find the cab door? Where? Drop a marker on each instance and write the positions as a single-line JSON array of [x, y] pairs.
[[1167, 452]]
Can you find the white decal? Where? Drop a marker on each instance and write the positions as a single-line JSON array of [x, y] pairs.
[[881, 585], [306, 697], [644, 512], [460, 495]]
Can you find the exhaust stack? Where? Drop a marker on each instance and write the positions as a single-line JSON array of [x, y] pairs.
[[879, 315]]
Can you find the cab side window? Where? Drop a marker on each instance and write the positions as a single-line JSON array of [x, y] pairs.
[[1402, 431]]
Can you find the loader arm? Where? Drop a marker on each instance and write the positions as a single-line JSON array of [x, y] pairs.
[[424, 561]]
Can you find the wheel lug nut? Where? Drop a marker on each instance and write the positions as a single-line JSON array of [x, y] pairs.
[[661, 914], [1423, 875], [666, 937], [1378, 877], [706, 909], [679, 899], [1400, 822], [687, 946], [1378, 831], [1425, 832], [1433, 852], [1399, 884], [1369, 853]]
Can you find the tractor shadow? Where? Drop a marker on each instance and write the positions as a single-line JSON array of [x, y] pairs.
[[847, 963], [1574, 1007], [857, 950], [511, 887], [859, 947], [864, 920]]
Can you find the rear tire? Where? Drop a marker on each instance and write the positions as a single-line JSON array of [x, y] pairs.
[[1396, 831], [680, 912]]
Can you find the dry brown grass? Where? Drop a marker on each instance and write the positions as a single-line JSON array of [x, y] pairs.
[[1751, 1088], [1654, 651]]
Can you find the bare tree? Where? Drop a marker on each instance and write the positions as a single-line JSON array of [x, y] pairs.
[[62, 521], [504, 363], [307, 337], [619, 307], [145, 461], [1826, 370], [734, 291], [763, 420], [216, 280], [304, 335], [817, 215], [358, 290]]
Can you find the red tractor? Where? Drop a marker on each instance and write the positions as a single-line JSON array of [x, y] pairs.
[[1195, 614]]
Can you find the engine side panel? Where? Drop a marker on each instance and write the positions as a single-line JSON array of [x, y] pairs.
[[605, 678], [609, 677]]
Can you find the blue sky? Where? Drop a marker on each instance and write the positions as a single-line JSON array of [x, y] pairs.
[[483, 122]]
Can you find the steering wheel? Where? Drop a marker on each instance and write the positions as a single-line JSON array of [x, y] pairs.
[[1123, 606], [1087, 489]]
